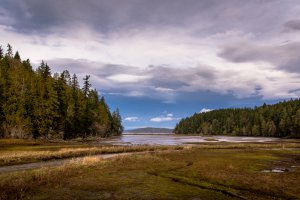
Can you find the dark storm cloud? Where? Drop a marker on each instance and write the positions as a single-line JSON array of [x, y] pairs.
[[164, 77], [33, 15], [108, 15], [285, 57], [293, 24], [85, 66], [178, 78], [161, 79]]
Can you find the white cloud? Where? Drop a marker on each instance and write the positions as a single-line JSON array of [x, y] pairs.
[[204, 110], [161, 119], [132, 119], [127, 78], [134, 93], [170, 115], [161, 89], [164, 118]]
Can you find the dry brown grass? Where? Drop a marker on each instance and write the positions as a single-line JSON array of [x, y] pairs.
[[20, 157], [12, 141]]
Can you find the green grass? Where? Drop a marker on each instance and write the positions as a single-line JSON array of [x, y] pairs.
[[195, 173]]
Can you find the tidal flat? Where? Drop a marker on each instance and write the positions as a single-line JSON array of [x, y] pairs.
[[200, 171]]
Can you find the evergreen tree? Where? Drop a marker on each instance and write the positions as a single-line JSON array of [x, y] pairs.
[[73, 114], [44, 70], [296, 121], [17, 56], [117, 127], [27, 65], [66, 77], [86, 85], [9, 52], [86, 106], [16, 123], [1, 52], [105, 120]]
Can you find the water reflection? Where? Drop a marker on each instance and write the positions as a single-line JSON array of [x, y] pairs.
[[171, 139]]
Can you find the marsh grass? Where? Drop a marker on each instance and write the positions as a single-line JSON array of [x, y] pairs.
[[14, 142], [21, 157], [187, 174], [16, 185], [241, 169], [203, 171], [246, 145]]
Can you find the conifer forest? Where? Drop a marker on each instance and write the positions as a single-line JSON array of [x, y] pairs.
[[278, 120], [37, 103]]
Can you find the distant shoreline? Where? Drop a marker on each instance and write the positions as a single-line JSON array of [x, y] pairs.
[[129, 133]]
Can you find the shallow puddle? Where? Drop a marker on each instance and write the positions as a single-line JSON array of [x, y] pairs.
[[276, 170]]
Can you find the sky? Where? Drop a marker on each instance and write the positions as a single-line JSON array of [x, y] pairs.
[[161, 60]]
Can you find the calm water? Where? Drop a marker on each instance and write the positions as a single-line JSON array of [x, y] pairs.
[[171, 139]]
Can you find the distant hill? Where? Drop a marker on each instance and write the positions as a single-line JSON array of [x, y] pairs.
[[150, 130]]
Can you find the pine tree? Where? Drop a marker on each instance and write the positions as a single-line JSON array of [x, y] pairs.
[[16, 123], [1, 52], [17, 56], [271, 128], [9, 52], [44, 70], [66, 77], [86, 85], [255, 130], [94, 105], [62, 101], [48, 105], [86, 118], [105, 120], [27, 65], [73, 108], [117, 127], [297, 123]]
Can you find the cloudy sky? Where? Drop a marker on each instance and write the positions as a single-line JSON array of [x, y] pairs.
[[161, 60]]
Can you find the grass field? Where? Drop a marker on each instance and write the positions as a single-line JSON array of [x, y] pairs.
[[235, 171]]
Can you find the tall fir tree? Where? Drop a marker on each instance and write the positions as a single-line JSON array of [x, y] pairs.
[[1, 52], [9, 52]]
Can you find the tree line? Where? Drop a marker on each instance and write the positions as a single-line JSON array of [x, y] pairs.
[[37, 104], [278, 120]]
